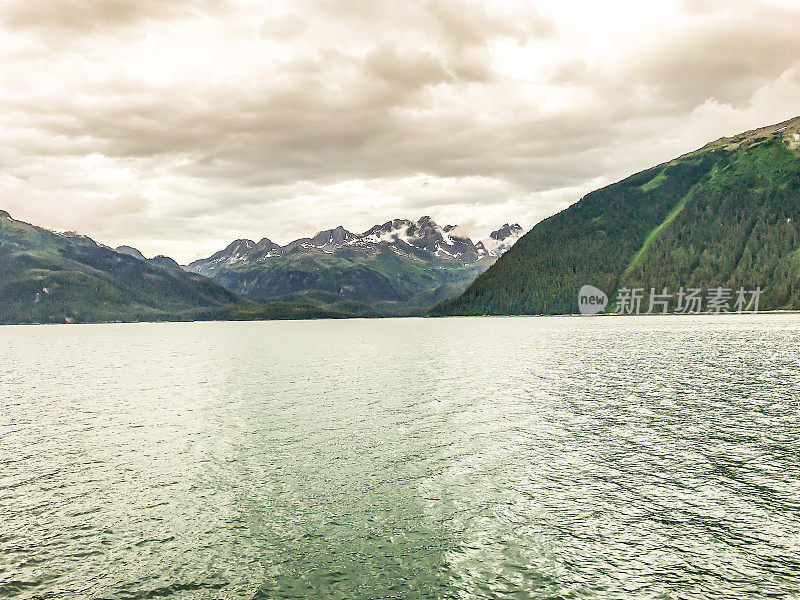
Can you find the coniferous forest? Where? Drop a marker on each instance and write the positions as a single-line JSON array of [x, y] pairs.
[[727, 215]]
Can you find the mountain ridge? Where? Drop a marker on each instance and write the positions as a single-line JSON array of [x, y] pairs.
[[339, 236], [724, 215], [395, 267], [48, 276]]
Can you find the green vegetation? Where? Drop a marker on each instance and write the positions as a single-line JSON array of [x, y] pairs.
[[724, 216], [350, 280], [50, 278], [654, 182], [653, 235], [740, 229], [46, 277], [285, 310]]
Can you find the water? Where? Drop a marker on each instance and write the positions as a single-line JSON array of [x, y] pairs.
[[451, 458]]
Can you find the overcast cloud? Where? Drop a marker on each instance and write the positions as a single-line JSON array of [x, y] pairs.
[[178, 125]]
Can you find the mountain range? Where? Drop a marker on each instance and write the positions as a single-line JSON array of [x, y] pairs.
[[400, 267], [57, 277], [724, 216]]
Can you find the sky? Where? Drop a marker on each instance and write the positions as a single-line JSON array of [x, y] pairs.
[[177, 126]]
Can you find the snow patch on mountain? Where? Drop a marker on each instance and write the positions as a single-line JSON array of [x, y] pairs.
[[501, 240], [405, 237]]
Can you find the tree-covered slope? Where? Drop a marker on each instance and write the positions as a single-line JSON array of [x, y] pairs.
[[726, 215], [48, 277]]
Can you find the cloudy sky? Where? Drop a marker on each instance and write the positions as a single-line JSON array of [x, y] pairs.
[[179, 125]]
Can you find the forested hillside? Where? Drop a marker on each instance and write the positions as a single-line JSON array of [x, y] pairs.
[[49, 277], [727, 215]]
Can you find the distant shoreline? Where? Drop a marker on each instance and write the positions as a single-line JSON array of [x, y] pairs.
[[370, 318]]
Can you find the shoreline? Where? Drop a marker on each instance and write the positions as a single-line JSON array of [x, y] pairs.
[[535, 316]]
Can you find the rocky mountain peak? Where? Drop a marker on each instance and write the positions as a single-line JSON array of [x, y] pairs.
[[501, 240], [332, 237], [506, 231], [240, 245], [236, 250], [266, 244]]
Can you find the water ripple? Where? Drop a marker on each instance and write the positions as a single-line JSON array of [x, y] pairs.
[[636, 458]]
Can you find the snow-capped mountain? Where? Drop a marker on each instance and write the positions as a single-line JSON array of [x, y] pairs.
[[395, 262], [501, 240], [403, 236]]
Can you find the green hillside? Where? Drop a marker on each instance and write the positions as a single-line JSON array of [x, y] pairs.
[[727, 215], [47, 277]]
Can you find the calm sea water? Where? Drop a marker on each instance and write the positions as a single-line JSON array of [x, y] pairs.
[[417, 458]]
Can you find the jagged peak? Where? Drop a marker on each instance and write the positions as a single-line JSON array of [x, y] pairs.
[[338, 228], [336, 236], [506, 231], [235, 249], [238, 246], [393, 224]]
